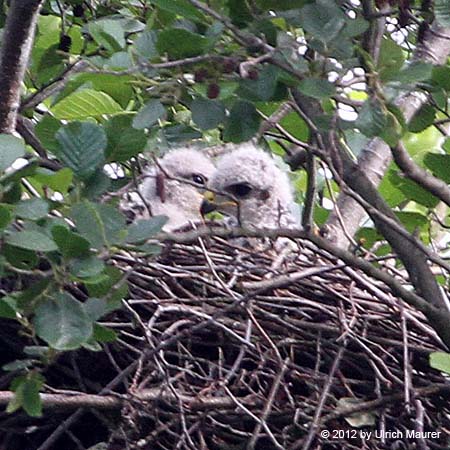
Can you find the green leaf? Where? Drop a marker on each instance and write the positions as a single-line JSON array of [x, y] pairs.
[[446, 146], [59, 181], [5, 216], [105, 287], [19, 257], [179, 133], [316, 88], [27, 394], [440, 361], [180, 8], [87, 267], [16, 386], [118, 87], [31, 240], [371, 120], [413, 191], [442, 12], [32, 209], [149, 114], [264, 88], [103, 334], [207, 113], [95, 308], [85, 103], [11, 148], [31, 401], [322, 19], [414, 72], [391, 59], [355, 27], [439, 165], [96, 185], [239, 12], [18, 364], [39, 351], [124, 141], [412, 220], [422, 119], [62, 322], [46, 129], [142, 230], [146, 44], [280, 5], [6, 310], [81, 147], [102, 225], [291, 122], [71, 244], [441, 77], [179, 43], [242, 123], [108, 33], [28, 297], [393, 131]]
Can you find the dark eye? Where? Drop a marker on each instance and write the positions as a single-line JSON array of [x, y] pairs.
[[199, 179], [239, 190]]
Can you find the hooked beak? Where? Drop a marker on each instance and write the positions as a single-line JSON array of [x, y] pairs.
[[210, 203]]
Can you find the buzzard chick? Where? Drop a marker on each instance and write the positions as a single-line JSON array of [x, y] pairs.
[[174, 187], [252, 189]]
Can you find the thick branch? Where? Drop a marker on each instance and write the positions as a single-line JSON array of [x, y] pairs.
[[112, 402], [17, 41], [414, 260], [374, 160]]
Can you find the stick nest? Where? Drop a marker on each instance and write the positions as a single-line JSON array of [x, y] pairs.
[[235, 354], [224, 346]]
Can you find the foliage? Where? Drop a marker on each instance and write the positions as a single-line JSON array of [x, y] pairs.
[[158, 74]]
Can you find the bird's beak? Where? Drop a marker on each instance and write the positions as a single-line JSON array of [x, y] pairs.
[[210, 203]]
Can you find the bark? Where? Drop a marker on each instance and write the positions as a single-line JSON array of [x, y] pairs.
[[17, 42]]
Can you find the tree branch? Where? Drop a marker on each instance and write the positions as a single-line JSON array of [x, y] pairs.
[[17, 41], [376, 157], [113, 402], [435, 185]]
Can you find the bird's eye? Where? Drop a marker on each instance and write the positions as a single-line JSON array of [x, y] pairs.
[[240, 190], [199, 179]]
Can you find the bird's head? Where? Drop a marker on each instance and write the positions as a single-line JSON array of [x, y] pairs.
[[248, 185], [176, 185]]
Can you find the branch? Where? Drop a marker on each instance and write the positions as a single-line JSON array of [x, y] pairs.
[[113, 402], [434, 185], [372, 405], [17, 41], [311, 190], [55, 86], [376, 157], [411, 254]]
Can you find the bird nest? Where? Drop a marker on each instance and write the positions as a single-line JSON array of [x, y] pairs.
[[232, 353], [219, 347]]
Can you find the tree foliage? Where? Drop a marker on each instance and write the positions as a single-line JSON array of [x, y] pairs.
[[108, 82]]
